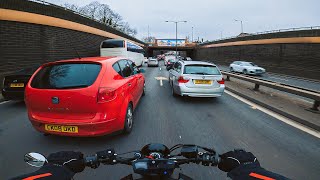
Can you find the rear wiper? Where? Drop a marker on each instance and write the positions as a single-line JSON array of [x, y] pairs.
[[200, 73], [71, 87]]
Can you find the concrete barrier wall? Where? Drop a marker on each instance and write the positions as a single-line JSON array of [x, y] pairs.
[[24, 45], [292, 59], [33, 33]]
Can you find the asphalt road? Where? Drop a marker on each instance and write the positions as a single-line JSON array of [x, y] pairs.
[[286, 79], [224, 123]]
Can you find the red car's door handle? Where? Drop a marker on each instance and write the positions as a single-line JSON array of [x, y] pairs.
[[129, 84]]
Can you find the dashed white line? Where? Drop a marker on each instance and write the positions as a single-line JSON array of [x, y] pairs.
[[4, 102], [277, 116]]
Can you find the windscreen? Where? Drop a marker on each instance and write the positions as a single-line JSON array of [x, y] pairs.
[[201, 69], [112, 44], [66, 76]]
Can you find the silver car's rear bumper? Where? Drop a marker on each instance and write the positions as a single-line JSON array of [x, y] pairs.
[[183, 90]]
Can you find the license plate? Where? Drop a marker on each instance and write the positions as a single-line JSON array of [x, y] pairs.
[[59, 128], [202, 81], [14, 85]]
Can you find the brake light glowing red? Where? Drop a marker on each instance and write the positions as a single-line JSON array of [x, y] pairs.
[[183, 79], [106, 94], [221, 81]]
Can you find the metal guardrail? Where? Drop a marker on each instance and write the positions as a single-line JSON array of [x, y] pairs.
[[315, 95], [266, 32]]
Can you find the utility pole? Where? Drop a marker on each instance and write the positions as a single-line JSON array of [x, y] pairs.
[[241, 24], [192, 34], [148, 34], [176, 22]]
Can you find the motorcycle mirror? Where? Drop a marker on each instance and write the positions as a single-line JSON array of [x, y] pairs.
[[35, 159]]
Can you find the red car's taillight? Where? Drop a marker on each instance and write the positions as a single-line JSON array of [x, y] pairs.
[[106, 94], [183, 79], [221, 81]]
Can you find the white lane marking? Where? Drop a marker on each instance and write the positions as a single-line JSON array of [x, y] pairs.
[[278, 78], [277, 116], [180, 137], [161, 79], [4, 102]]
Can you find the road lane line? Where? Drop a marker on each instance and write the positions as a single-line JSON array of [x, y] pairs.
[[277, 116], [278, 78], [4, 102]]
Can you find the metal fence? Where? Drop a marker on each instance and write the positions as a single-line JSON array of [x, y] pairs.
[[264, 33], [315, 95]]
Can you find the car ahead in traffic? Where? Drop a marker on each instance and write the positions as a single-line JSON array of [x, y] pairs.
[[196, 79], [167, 59], [170, 64], [15, 83], [84, 97], [153, 62], [246, 68]]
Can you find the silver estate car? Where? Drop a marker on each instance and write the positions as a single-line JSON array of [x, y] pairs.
[[153, 62], [196, 79]]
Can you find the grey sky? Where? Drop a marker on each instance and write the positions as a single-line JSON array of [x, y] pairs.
[[211, 17]]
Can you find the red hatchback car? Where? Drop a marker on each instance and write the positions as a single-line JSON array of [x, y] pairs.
[[84, 97]]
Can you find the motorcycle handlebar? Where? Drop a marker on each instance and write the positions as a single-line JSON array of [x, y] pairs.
[[109, 157]]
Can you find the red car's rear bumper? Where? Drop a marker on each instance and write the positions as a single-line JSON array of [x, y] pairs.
[[85, 129]]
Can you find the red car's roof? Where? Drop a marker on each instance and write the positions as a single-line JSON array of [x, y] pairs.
[[87, 59]]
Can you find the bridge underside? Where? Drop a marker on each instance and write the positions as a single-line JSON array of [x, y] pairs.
[[151, 50]]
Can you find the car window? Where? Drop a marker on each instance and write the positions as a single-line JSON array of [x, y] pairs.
[[116, 67], [201, 69], [246, 64], [133, 67], [125, 68], [179, 67], [66, 76], [175, 66]]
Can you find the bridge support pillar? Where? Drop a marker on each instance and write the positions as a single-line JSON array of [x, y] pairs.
[[256, 87], [316, 105]]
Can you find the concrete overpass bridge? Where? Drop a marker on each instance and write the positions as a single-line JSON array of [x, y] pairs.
[[33, 33]]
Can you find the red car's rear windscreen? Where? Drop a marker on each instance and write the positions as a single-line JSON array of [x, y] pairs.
[[66, 76]]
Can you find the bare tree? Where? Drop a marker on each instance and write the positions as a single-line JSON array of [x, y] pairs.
[[104, 14]]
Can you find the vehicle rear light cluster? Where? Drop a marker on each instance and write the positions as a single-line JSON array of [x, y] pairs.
[[183, 79], [106, 94], [221, 81]]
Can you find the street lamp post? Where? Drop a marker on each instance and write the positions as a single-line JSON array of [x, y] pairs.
[[241, 24], [192, 35], [176, 22]]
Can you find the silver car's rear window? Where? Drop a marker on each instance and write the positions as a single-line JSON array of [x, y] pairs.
[[201, 69]]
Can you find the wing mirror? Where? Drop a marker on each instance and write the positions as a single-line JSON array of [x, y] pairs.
[[35, 159], [142, 70]]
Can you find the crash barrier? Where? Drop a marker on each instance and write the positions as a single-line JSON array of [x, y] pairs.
[[307, 93]]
